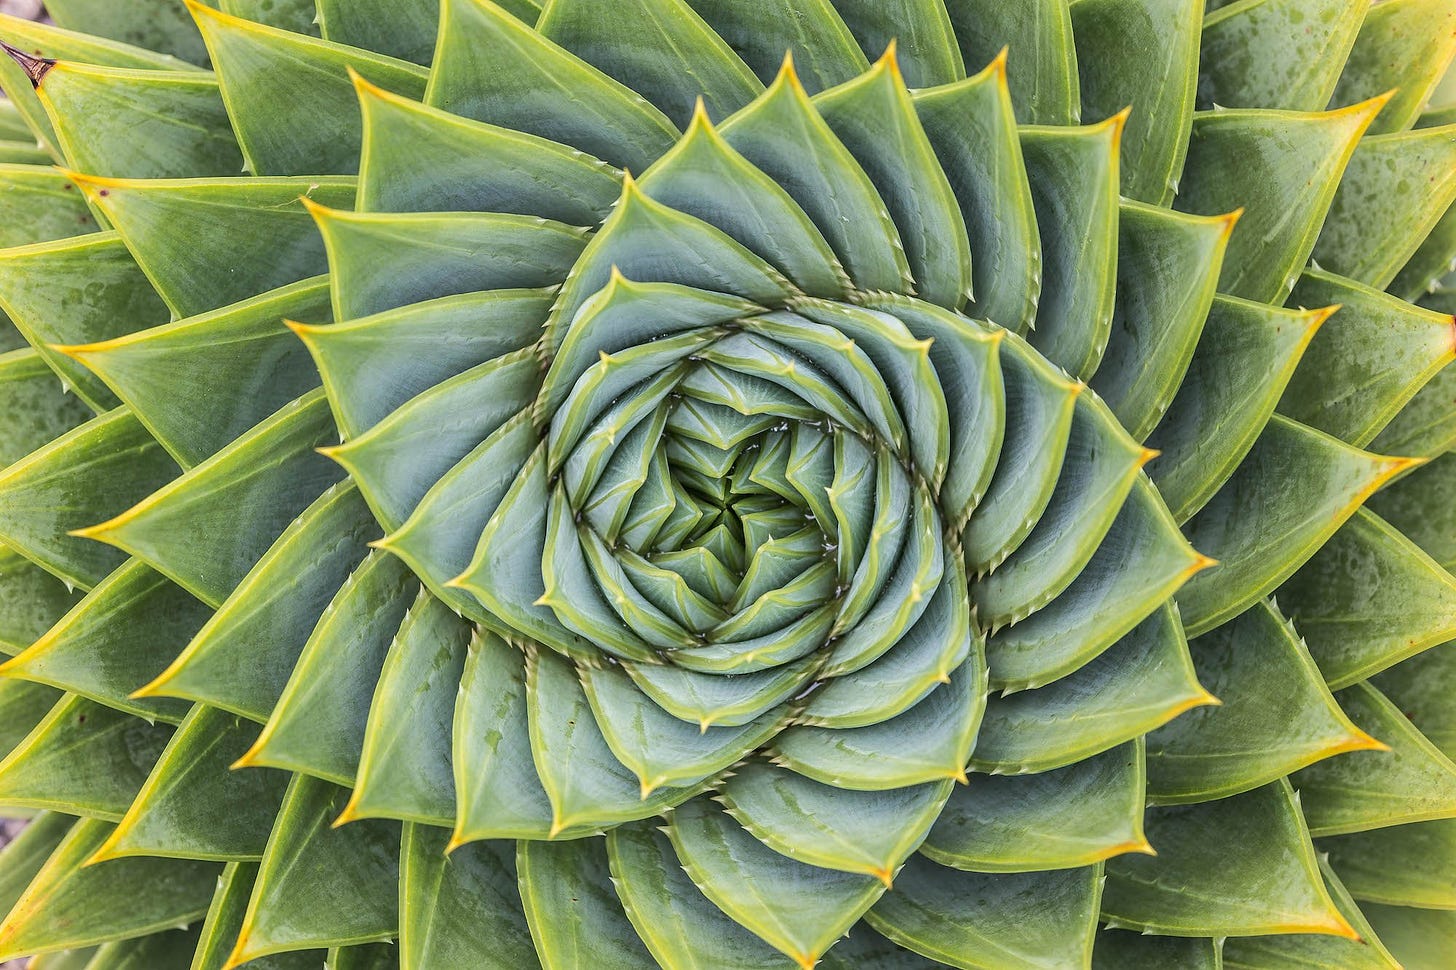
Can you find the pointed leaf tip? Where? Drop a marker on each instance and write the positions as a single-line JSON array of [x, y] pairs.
[[36, 68]]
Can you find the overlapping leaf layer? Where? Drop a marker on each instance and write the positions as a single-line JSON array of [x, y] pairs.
[[596, 491]]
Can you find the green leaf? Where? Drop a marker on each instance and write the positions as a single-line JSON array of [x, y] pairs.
[[317, 727], [295, 15], [500, 795], [242, 658], [492, 67], [727, 700], [174, 814], [1245, 357], [26, 704], [585, 783], [833, 828], [382, 261], [242, 498], [54, 43], [1073, 176], [126, 123], [506, 573], [36, 414], [1393, 193], [1422, 273], [319, 886], [420, 159], [1419, 687], [373, 365], [439, 538], [1167, 269], [929, 742], [1404, 865], [1314, 949], [289, 96], [680, 926], [398, 460], [122, 634], [163, 27], [405, 768], [1369, 599], [866, 948], [814, 35], [41, 504], [660, 48], [1419, 938], [874, 117], [208, 243], [705, 177], [31, 601], [70, 905], [1422, 505], [1143, 560], [660, 749], [1283, 167], [171, 950], [26, 854], [1074, 816], [1405, 45], [1142, 681], [103, 292], [797, 908], [401, 29], [1276, 715], [919, 32], [1125, 950], [785, 136], [199, 383], [643, 240], [993, 921], [1411, 781], [1427, 424], [1293, 491], [461, 912], [82, 759], [938, 642], [1115, 39], [1040, 402], [1043, 65], [971, 127], [575, 916], [1241, 866], [40, 205], [1099, 469], [1276, 53], [1367, 362]]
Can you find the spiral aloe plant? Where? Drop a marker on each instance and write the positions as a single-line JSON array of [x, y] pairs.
[[705, 484]]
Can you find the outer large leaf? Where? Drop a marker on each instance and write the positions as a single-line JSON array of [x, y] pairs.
[[1369, 599], [1276, 716], [71, 905], [1043, 73], [1142, 53], [289, 96], [1405, 45], [1276, 53], [1293, 491], [318, 887], [462, 912], [576, 919], [1283, 168], [1404, 865], [492, 67], [993, 921], [1241, 866]]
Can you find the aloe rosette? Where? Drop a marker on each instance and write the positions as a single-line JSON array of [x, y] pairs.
[[712, 485]]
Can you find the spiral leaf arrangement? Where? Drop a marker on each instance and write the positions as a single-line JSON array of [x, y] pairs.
[[636, 484]]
